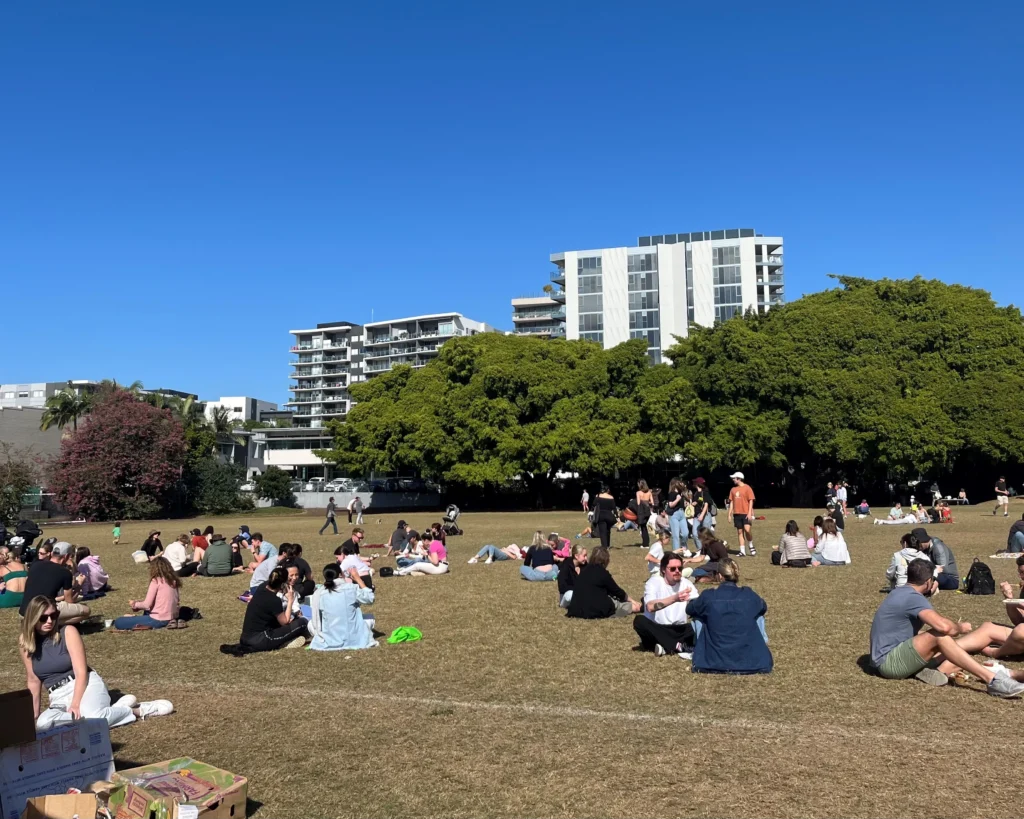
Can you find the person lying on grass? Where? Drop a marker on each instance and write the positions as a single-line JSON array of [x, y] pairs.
[[491, 554], [160, 608], [54, 658], [596, 595], [568, 571], [664, 627], [900, 650], [730, 629]]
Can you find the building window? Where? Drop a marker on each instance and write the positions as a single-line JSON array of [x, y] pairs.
[[8, 395], [38, 393], [22, 395], [725, 267], [689, 285], [588, 264], [642, 284], [591, 299], [638, 262]]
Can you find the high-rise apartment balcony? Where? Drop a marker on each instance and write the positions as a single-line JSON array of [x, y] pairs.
[[558, 276], [558, 295], [771, 261], [776, 280], [545, 315]]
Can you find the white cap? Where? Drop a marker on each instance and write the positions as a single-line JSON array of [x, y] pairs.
[[737, 475], [62, 548]]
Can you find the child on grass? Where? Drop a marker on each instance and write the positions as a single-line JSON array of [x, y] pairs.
[[117, 532]]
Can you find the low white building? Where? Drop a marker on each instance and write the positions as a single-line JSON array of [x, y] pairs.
[[241, 408]]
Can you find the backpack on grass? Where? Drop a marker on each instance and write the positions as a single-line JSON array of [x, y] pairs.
[[979, 579]]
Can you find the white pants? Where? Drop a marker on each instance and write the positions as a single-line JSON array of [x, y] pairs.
[[95, 705], [424, 567]]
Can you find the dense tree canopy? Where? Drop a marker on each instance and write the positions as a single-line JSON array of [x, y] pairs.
[[882, 380]]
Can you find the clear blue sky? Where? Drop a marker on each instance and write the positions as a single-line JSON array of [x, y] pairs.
[[182, 183]]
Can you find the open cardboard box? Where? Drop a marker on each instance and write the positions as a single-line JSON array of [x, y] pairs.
[[180, 788], [17, 717], [65, 806]]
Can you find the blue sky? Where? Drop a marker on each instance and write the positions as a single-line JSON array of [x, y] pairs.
[[181, 184]]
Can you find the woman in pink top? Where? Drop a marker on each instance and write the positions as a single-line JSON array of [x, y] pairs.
[[436, 562], [94, 579], [160, 608]]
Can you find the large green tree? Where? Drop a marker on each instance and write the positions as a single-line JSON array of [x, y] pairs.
[[493, 408]]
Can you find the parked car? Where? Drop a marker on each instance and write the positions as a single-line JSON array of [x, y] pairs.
[[315, 484], [296, 486], [248, 486], [339, 485]]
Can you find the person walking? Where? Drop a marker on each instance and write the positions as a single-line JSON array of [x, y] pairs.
[[676, 506], [357, 509], [585, 500], [330, 521], [741, 507], [1002, 498], [644, 507], [604, 515]]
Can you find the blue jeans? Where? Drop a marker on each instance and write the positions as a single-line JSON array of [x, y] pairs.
[[825, 562], [698, 625], [492, 552], [129, 622], [530, 573], [406, 562], [627, 525], [677, 525], [948, 582], [696, 524], [1017, 544]]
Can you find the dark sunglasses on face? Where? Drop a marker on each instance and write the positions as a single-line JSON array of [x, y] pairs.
[[46, 618]]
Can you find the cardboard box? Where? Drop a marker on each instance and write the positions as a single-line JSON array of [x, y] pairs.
[[67, 806], [180, 788], [68, 756], [16, 715]]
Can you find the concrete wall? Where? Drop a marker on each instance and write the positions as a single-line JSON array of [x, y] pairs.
[[703, 285], [615, 285], [672, 292], [20, 427], [374, 501]]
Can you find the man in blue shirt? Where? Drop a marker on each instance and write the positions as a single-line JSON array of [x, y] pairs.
[[899, 650]]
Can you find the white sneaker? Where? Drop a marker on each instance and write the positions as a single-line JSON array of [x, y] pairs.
[[688, 571], [471, 560], [685, 655], [997, 668], [658, 650], [127, 701], [156, 708], [489, 560], [687, 553], [298, 642]]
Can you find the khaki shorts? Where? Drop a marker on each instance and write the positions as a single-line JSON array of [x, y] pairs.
[[1003, 500], [68, 611], [902, 662]]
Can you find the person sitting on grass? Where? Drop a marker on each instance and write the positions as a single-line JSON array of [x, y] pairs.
[[414, 549], [1015, 539], [160, 608], [261, 550], [910, 550], [12, 579], [199, 544], [595, 593], [830, 550], [54, 658], [217, 559], [539, 562], [94, 579], [908, 519], [712, 552], [435, 563], [177, 554], [152, 545], [948, 575], [863, 510], [398, 540], [896, 512], [337, 623], [899, 650], [729, 624], [664, 627], [792, 550], [49, 576], [306, 585], [662, 523], [261, 574], [568, 571], [349, 558], [661, 547], [271, 623], [437, 533]]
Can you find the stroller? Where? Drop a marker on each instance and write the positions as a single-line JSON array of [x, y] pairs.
[[450, 523], [25, 534]]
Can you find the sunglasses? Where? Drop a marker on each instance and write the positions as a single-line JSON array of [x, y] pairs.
[[47, 618], [674, 569]]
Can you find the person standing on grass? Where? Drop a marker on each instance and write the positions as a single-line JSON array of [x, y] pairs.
[[117, 533], [899, 650], [644, 508], [595, 593], [676, 508], [270, 622], [701, 509], [357, 509], [54, 658], [329, 517], [604, 515], [741, 507], [1002, 498], [664, 627], [842, 495], [585, 500]]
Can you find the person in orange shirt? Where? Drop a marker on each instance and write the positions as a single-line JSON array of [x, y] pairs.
[[741, 507]]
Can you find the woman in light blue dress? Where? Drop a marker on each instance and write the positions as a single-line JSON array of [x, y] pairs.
[[337, 623]]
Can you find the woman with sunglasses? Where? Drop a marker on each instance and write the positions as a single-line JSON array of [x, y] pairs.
[[54, 659]]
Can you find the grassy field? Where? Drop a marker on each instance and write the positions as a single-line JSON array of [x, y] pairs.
[[507, 708]]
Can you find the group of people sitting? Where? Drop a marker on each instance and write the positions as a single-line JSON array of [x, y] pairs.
[[825, 547], [914, 514]]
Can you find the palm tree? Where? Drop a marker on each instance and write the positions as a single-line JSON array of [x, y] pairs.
[[63, 408], [223, 426]]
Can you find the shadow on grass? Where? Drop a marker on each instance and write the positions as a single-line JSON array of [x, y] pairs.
[[865, 665], [251, 806]]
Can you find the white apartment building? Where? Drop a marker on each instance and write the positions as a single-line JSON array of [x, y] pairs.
[[414, 341], [241, 408], [538, 315], [29, 395], [656, 290]]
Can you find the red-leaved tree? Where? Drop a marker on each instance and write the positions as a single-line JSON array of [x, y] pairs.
[[122, 462]]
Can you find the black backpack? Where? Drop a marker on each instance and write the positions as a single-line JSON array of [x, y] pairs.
[[979, 579]]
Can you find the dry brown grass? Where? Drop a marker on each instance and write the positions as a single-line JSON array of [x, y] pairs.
[[509, 709]]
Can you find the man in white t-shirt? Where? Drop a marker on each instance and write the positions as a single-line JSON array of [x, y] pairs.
[[841, 495], [663, 627]]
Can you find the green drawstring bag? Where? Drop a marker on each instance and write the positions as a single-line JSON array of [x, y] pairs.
[[405, 634]]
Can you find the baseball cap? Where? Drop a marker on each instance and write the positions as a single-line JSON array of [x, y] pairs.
[[699, 481], [921, 534], [62, 548], [737, 475]]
